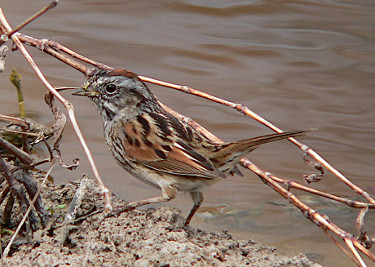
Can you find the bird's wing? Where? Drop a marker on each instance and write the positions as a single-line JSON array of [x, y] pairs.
[[169, 154]]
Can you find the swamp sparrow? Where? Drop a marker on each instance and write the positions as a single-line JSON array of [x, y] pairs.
[[158, 148]]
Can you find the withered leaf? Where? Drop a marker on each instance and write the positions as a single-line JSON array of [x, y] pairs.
[[59, 123], [58, 129]]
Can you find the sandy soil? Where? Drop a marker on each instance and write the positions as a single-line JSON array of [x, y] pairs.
[[135, 238]]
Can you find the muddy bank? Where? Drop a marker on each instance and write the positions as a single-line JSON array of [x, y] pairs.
[[135, 238]]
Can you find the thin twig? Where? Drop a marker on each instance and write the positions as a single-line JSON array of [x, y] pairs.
[[69, 107], [32, 18], [20, 154], [15, 120], [57, 46], [358, 257], [245, 110], [44, 45], [349, 202], [19, 132], [341, 247], [4, 193], [364, 250]]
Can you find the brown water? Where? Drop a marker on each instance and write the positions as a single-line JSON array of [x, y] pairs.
[[300, 64]]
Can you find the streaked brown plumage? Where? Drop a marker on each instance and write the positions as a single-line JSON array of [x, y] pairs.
[[158, 148]]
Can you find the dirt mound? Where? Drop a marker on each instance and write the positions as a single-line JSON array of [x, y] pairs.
[[135, 238]]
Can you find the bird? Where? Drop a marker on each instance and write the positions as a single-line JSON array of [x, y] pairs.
[[158, 148]]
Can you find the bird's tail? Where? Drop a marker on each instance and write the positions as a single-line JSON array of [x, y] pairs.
[[230, 153]]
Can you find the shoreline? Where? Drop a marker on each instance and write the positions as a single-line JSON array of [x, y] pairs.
[[135, 238]]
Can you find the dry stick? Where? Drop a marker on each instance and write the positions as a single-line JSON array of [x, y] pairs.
[[73, 54], [6, 251], [362, 234], [342, 247], [19, 132], [69, 107], [20, 154], [3, 195], [347, 201], [33, 17], [349, 243], [15, 120], [364, 250], [45, 45], [245, 110], [310, 213]]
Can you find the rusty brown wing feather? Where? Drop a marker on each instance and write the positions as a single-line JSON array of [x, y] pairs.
[[169, 155]]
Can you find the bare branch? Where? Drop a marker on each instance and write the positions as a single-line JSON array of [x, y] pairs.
[[358, 257], [33, 17], [68, 106], [21, 155]]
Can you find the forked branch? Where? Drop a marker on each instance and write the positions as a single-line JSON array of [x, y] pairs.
[[5, 27]]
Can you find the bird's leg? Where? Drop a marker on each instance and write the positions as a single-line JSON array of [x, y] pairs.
[[197, 199], [168, 193]]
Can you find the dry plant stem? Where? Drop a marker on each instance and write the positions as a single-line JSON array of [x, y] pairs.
[[358, 257], [73, 54], [34, 17], [311, 214], [76, 201], [362, 234], [342, 248], [245, 110], [6, 251], [361, 218], [356, 188], [3, 194], [67, 105], [21, 155], [46, 46], [55, 49], [19, 132], [349, 202], [364, 250], [7, 213], [8, 119]]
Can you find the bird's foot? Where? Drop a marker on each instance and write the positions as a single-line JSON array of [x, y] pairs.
[[120, 209]]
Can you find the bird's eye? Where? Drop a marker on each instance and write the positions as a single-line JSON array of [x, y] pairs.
[[110, 88]]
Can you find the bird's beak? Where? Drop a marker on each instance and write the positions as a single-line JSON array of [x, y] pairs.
[[86, 92]]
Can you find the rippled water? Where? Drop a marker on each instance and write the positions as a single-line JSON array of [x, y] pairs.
[[300, 64]]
